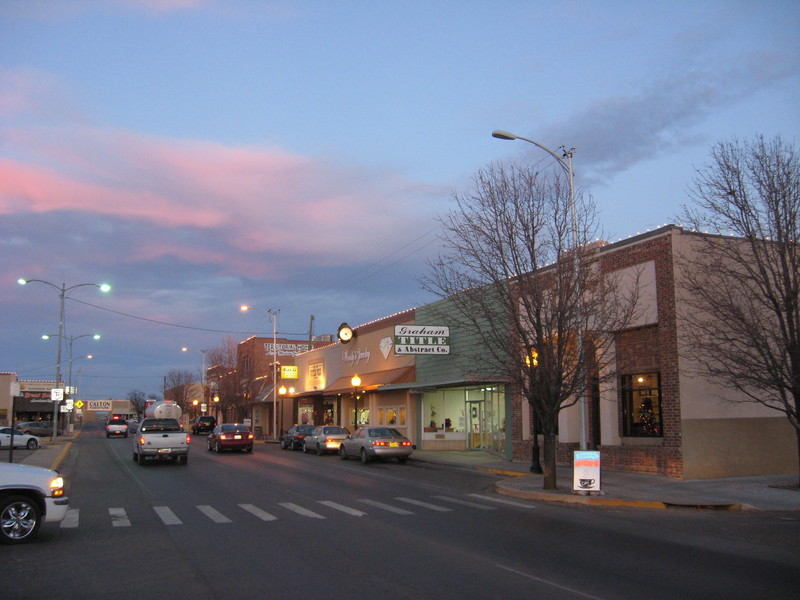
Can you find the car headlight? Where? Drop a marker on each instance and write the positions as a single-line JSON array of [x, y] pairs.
[[57, 486]]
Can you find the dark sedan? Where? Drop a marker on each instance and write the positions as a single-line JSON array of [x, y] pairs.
[[230, 436], [293, 438]]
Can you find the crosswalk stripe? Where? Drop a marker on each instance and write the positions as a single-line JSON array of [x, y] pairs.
[[389, 507], [345, 509], [425, 504], [213, 514], [301, 511], [503, 501], [167, 516], [119, 518], [261, 514], [71, 520], [466, 503]]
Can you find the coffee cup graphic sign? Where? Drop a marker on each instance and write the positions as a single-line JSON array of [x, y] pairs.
[[586, 471]]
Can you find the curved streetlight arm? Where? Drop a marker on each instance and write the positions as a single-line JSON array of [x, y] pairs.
[[505, 135]]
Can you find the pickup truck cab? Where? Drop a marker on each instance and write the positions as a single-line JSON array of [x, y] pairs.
[[161, 439], [29, 496]]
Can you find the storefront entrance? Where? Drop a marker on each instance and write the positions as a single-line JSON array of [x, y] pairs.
[[464, 418]]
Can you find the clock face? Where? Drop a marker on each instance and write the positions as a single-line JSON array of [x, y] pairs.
[[345, 333]]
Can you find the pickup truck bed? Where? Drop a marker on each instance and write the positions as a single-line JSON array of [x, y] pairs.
[[161, 439]]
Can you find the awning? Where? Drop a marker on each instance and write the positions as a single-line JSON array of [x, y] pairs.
[[265, 395], [372, 380]]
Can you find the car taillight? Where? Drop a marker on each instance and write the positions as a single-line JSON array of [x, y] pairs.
[[300, 436], [188, 438], [406, 443], [249, 436], [141, 440], [329, 440], [379, 443]]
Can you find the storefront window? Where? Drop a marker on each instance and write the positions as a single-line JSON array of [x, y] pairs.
[[392, 415], [641, 405]]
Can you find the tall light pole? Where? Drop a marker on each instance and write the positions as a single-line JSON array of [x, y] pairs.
[[62, 295], [355, 382], [273, 314], [71, 339], [565, 162]]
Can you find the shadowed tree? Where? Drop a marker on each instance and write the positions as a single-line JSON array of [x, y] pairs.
[[179, 385], [742, 286], [511, 275]]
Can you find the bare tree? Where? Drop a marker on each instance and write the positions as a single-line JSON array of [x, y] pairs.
[[513, 277], [137, 399], [178, 384], [223, 380], [743, 284]]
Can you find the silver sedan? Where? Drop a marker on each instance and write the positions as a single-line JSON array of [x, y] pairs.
[[325, 438], [376, 442]]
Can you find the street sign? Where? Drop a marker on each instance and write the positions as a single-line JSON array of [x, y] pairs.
[[79, 404], [99, 405], [56, 394], [586, 471], [70, 404]]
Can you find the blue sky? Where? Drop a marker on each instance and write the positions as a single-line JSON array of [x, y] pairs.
[[202, 154]]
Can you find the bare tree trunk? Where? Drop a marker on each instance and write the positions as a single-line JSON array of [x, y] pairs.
[[549, 466]]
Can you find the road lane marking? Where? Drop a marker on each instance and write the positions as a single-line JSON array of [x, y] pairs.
[[213, 514], [345, 509], [466, 503], [550, 583], [167, 516], [503, 501], [389, 507], [301, 511], [435, 507], [119, 518], [261, 514], [72, 518]]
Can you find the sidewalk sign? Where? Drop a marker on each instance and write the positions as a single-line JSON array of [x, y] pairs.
[[586, 471]]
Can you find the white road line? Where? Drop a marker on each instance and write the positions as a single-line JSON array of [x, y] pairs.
[[213, 514], [425, 504], [344, 509], [119, 518], [167, 516], [301, 511], [261, 514], [550, 583], [389, 507], [466, 503], [71, 520], [503, 501]]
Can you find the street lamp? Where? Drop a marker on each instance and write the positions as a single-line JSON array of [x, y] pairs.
[[62, 295], [273, 315], [565, 161], [355, 382]]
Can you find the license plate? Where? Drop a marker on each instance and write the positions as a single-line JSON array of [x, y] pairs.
[[164, 450], [393, 444], [237, 437]]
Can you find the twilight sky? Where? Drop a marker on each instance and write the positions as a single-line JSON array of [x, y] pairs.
[[202, 154]]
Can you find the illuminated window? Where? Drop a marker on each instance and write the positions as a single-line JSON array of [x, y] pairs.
[[641, 405]]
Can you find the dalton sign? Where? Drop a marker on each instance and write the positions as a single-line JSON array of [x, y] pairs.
[[421, 339]]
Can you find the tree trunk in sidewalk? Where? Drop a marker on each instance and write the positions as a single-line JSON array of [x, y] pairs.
[[549, 466]]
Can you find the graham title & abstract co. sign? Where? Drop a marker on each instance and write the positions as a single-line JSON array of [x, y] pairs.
[[421, 339]]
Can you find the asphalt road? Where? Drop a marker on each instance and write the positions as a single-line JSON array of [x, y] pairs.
[[282, 524]]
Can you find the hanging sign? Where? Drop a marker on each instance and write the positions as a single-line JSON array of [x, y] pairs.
[[586, 471]]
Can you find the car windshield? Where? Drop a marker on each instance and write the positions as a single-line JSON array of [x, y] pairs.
[[232, 427], [165, 425], [384, 432], [305, 429], [335, 430]]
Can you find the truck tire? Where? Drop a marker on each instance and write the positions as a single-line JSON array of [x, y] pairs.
[[183, 460], [20, 518], [140, 459]]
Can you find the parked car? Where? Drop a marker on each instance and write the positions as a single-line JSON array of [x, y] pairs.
[[116, 425], [21, 440], [325, 438], [37, 428], [376, 442], [204, 424], [230, 436], [29, 496], [293, 438]]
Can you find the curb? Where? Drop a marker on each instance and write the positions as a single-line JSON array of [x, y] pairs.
[[56, 464], [565, 498]]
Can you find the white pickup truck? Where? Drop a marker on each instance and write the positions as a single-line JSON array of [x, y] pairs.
[[161, 439], [29, 496]]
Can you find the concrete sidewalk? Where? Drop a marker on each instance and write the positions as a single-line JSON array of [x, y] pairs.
[[774, 492]]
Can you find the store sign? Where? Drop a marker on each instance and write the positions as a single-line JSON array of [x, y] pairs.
[[421, 339], [290, 372], [99, 405], [271, 349], [586, 471]]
